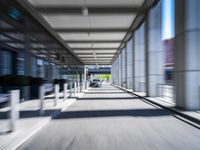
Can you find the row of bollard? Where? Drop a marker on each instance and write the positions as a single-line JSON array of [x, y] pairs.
[[15, 99]]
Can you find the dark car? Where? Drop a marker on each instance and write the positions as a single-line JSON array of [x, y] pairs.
[[95, 83]]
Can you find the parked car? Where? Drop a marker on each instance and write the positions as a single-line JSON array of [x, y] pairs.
[[95, 83]]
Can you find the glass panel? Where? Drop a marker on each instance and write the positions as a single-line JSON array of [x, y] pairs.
[[5, 63]]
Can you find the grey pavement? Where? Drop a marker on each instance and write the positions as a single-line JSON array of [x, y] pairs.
[[109, 119], [30, 121]]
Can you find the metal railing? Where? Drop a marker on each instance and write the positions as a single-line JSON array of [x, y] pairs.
[[165, 91]]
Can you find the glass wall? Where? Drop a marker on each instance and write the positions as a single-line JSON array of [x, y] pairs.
[[5, 62]]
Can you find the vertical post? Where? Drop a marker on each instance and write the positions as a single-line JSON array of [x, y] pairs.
[[65, 91], [56, 94], [14, 109], [133, 64], [120, 72], [186, 54], [70, 86], [41, 99], [75, 87], [126, 68], [27, 60], [78, 87], [146, 55], [82, 86], [86, 85], [155, 49]]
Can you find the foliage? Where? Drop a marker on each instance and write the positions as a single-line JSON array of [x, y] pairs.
[[104, 76]]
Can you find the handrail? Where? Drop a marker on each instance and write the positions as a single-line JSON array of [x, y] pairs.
[[161, 88]]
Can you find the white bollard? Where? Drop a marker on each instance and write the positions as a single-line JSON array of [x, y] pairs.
[[56, 94], [88, 84], [70, 86], [41, 99], [78, 87], [65, 91], [82, 87], [75, 88], [85, 85], [14, 109]]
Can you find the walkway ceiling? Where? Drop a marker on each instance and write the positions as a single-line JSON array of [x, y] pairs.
[[96, 30]]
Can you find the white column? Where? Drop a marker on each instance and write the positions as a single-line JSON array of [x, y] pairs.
[[65, 91], [78, 87], [56, 94], [41, 99], [70, 86], [139, 70], [14, 109], [130, 64], [187, 54], [123, 66], [120, 69], [75, 87], [85, 76], [155, 53], [117, 71]]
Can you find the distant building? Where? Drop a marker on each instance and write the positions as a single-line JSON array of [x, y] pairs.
[[168, 46]]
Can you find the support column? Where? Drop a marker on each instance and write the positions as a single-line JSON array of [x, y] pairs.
[[49, 71], [56, 99], [117, 71], [139, 76], [146, 35], [126, 79], [112, 73], [155, 52], [85, 77], [129, 62], [187, 54], [120, 72], [27, 62], [123, 68]]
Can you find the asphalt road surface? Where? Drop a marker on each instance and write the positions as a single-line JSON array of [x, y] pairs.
[[109, 119]]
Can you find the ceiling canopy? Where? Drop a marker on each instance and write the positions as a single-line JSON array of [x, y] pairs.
[[95, 30]]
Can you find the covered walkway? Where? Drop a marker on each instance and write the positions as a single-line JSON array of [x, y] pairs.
[[108, 118]]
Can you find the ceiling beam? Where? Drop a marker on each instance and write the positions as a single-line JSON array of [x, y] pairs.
[[92, 10], [82, 30], [89, 48], [92, 56], [93, 41], [82, 54]]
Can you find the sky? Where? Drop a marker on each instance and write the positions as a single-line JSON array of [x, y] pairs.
[[167, 19]]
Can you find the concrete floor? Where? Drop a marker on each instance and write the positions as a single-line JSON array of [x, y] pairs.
[[108, 119]]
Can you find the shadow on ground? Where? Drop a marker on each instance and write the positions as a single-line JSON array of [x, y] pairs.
[[113, 113], [31, 113]]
